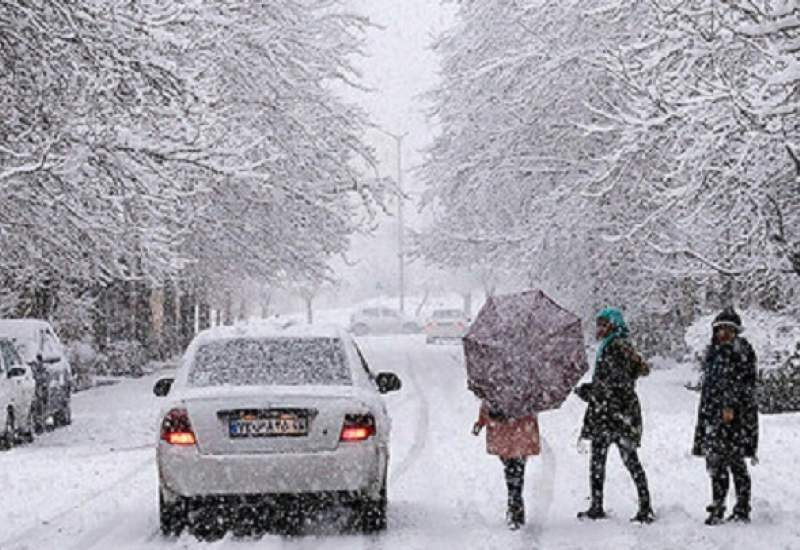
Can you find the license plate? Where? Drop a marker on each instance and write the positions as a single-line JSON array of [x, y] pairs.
[[268, 425]]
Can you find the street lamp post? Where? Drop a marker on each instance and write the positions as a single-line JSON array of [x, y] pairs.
[[400, 226]]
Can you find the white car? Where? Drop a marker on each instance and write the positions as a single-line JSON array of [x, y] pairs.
[[258, 418], [17, 388], [381, 320], [41, 350], [446, 324]]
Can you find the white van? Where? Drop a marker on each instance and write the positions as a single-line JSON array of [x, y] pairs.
[[41, 350]]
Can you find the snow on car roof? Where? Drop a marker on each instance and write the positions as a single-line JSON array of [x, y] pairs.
[[270, 329], [21, 327]]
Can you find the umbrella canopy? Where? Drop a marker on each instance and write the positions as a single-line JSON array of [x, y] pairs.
[[524, 353]]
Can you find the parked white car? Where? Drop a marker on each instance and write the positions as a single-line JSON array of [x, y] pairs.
[[446, 324], [259, 418], [43, 352], [17, 388], [381, 320]]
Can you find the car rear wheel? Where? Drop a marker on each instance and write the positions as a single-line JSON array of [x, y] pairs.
[[173, 516], [373, 511], [208, 521], [7, 437]]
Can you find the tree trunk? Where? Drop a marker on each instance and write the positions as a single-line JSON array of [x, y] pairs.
[[227, 309], [204, 314], [186, 315], [169, 329], [266, 299], [142, 315], [242, 309], [309, 300], [424, 301]]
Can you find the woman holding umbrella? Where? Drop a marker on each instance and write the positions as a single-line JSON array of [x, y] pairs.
[[613, 414], [524, 354], [513, 440]]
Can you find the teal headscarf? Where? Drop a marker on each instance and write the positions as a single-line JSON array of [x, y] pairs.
[[615, 318]]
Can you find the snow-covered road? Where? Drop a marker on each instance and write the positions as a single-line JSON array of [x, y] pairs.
[[93, 485]]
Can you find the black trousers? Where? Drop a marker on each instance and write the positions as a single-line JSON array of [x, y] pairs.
[[630, 458], [720, 467], [514, 469]]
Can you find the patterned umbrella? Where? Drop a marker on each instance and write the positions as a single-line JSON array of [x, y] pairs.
[[524, 353]]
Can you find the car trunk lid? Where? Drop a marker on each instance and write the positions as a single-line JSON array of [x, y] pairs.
[[280, 420]]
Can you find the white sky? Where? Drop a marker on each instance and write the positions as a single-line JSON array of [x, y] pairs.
[[399, 68]]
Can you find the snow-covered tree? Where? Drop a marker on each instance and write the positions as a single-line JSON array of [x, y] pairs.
[[199, 142], [706, 122], [617, 151]]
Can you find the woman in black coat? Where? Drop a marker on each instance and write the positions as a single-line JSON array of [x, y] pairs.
[[727, 418], [613, 414]]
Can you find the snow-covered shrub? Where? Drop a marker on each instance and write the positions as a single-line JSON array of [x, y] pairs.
[[82, 359], [122, 358]]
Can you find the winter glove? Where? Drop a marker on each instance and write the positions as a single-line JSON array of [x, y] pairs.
[[584, 391], [754, 461], [476, 428]]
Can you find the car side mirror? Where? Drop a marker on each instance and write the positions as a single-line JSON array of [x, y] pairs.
[[388, 382], [16, 372], [163, 386]]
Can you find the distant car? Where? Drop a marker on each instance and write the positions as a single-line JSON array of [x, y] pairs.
[[40, 349], [382, 320], [259, 419], [446, 324], [17, 388], [778, 388]]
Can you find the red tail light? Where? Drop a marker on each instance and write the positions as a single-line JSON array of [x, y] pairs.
[[176, 429], [357, 427]]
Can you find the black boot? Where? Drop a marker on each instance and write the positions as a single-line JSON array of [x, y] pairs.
[[716, 514], [515, 515], [740, 514], [594, 512], [644, 515]]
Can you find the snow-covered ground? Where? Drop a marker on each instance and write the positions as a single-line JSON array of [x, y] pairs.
[[93, 484]]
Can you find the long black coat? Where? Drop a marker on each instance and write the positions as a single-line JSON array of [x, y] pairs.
[[729, 382], [613, 411]]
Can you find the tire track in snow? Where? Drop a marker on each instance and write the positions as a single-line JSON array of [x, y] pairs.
[[422, 427], [31, 532], [544, 489]]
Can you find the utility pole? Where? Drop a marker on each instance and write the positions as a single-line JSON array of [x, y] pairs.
[[400, 224]]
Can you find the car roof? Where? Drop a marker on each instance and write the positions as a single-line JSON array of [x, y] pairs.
[[270, 330], [21, 327]]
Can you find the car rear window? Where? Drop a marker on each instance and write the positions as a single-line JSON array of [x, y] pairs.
[[448, 314], [271, 362]]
